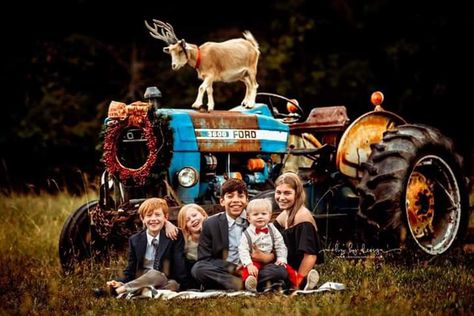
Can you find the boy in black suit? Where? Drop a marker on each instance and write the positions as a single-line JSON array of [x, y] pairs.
[[218, 265], [153, 258]]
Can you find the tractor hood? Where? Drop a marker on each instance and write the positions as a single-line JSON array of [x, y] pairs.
[[236, 130]]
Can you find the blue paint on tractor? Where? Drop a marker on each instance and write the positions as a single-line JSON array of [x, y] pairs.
[[271, 134], [259, 109], [183, 129], [266, 121]]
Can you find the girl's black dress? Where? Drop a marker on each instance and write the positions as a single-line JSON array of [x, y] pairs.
[[300, 239]]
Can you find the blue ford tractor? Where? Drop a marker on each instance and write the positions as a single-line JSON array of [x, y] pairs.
[[375, 181]]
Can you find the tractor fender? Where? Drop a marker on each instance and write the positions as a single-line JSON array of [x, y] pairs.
[[355, 145]]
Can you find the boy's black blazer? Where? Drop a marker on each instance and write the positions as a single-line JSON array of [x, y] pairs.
[[170, 256], [214, 238]]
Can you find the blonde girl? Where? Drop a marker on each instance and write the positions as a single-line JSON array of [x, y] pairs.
[[190, 219]]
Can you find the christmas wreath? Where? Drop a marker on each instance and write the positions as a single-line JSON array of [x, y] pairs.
[[112, 164]]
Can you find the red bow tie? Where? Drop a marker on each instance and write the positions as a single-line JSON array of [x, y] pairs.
[[261, 230]]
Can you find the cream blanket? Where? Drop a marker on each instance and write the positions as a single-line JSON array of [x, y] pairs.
[[150, 292]]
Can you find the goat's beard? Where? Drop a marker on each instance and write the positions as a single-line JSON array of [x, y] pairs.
[[178, 67]]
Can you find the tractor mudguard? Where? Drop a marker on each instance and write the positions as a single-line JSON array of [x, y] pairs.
[[354, 146]]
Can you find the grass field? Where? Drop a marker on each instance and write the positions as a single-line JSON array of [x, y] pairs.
[[31, 281]]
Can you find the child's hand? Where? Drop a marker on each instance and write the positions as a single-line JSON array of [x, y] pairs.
[[280, 263], [171, 230], [252, 270], [260, 256], [114, 284]]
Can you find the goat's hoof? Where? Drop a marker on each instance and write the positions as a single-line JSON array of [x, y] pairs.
[[203, 109], [247, 105], [196, 106]]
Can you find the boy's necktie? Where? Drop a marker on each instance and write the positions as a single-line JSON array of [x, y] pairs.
[[241, 222], [156, 263]]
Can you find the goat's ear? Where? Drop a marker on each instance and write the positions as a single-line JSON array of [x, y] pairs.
[[166, 50]]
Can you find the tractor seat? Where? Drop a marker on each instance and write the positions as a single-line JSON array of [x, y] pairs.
[[323, 119]]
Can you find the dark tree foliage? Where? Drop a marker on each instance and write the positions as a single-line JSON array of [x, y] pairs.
[[62, 71]]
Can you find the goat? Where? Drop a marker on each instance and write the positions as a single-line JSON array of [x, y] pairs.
[[229, 61]]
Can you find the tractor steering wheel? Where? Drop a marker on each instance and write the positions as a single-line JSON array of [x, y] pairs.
[[287, 118]]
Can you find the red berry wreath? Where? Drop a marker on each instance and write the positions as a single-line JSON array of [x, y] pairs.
[[112, 164]]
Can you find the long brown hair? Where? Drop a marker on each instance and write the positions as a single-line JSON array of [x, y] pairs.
[[292, 180], [182, 218]]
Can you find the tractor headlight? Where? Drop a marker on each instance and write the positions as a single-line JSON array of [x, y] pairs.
[[187, 177]]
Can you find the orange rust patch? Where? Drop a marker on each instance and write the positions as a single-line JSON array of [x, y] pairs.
[[222, 120]]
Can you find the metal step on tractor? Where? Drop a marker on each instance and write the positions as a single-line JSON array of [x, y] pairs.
[[376, 182]]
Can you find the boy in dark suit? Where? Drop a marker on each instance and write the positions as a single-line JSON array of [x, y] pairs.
[[218, 265], [153, 258]]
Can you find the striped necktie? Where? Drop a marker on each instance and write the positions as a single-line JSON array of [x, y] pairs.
[[156, 262]]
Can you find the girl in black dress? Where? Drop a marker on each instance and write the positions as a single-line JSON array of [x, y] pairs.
[[299, 230]]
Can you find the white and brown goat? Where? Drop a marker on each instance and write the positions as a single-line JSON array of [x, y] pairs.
[[229, 61]]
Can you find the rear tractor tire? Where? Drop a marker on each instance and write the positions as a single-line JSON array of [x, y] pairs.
[[413, 191]]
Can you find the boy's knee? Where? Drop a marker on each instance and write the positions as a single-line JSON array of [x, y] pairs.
[[196, 271], [277, 272], [283, 273]]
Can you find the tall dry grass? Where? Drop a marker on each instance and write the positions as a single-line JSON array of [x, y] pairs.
[[31, 281]]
